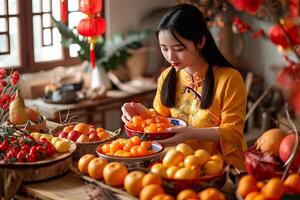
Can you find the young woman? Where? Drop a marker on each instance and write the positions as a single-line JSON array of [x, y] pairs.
[[201, 87]]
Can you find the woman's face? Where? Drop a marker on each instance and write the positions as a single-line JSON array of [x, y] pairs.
[[178, 55]]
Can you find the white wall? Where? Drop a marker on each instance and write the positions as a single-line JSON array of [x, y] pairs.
[[125, 15]]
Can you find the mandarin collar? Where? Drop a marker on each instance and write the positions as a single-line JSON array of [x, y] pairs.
[[196, 79]]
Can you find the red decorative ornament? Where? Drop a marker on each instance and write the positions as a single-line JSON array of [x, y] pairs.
[[90, 7], [240, 26], [295, 8], [258, 34], [89, 27], [93, 25], [250, 6], [63, 11], [278, 37]]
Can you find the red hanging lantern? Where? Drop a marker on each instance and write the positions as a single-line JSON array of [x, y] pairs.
[[63, 11], [93, 25], [90, 27], [90, 7]]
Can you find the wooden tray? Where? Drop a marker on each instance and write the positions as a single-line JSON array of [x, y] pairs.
[[56, 157], [41, 170]]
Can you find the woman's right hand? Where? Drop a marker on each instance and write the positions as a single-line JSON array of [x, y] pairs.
[[132, 109]]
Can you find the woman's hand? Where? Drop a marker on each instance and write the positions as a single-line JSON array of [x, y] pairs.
[[130, 110], [181, 134]]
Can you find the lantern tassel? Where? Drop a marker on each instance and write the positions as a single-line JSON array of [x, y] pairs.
[[63, 11], [92, 55]]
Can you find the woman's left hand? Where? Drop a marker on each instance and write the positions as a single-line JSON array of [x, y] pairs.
[[180, 136]]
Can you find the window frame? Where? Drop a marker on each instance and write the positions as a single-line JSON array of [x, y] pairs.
[[27, 47]]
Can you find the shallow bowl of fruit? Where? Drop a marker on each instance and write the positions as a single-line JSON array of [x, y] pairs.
[[133, 152], [87, 137], [154, 130]]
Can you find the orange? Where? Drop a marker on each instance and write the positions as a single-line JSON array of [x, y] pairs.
[[115, 146], [246, 185], [211, 194], [103, 135], [191, 161], [185, 149], [142, 151], [273, 189], [114, 173], [150, 191], [84, 162], [134, 150], [105, 148], [136, 140], [82, 128], [218, 159], [186, 194], [95, 168], [203, 156], [292, 182], [212, 167], [171, 171], [128, 146], [172, 157], [100, 129], [133, 182], [151, 178], [260, 197], [146, 144], [251, 195], [68, 128], [163, 197], [185, 173], [159, 169]]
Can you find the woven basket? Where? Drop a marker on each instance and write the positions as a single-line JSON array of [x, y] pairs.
[[90, 147]]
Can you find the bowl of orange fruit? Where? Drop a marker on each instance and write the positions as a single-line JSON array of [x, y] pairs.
[[185, 168], [86, 136], [133, 152], [152, 126]]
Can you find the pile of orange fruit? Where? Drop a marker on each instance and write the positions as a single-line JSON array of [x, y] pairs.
[[149, 122], [128, 147], [274, 188]]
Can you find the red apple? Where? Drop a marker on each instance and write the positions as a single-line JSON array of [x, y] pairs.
[[73, 135], [92, 130], [286, 148], [83, 138], [63, 134], [93, 137]]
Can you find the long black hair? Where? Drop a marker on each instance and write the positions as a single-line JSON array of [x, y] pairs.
[[186, 20]]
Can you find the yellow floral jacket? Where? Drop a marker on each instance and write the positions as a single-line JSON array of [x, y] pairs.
[[226, 113]]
